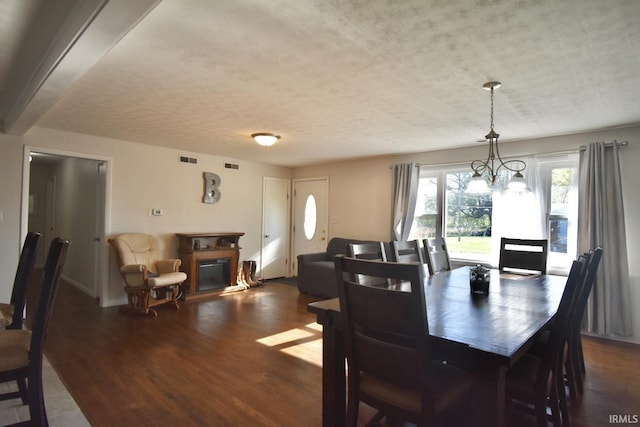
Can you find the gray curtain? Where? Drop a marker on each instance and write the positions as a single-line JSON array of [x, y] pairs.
[[601, 222], [405, 192]]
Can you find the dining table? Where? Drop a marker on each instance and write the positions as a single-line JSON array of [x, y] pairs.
[[485, 333]]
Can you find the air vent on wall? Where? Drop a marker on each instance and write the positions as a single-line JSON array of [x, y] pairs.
[[185, 159], [231, 166]]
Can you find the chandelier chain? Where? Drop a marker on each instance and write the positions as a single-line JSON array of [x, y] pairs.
[[491, 107]]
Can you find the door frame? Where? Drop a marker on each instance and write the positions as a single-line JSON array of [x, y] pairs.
[[102, 254]]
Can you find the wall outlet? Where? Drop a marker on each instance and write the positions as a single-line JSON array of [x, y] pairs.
[[156, 212]]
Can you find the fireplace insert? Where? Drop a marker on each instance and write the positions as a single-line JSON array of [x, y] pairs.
[[214, 273]]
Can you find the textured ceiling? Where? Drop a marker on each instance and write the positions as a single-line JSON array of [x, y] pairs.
[[351, 78]]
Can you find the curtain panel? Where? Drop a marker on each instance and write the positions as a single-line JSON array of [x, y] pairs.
[[601, 222], [405, 193]]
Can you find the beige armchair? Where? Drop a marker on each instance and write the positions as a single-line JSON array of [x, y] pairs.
[[149, 281]]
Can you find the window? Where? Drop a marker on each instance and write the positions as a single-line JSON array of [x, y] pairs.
[[562, 212], [468, 219], [473, 224]]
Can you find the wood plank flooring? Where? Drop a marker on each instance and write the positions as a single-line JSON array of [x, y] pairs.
[[251, 358]]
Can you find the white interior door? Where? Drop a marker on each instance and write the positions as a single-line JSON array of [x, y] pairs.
[[311, 217], [274, 253]]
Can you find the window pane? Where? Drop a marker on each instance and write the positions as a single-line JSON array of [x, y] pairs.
[[558, 234], [468, 219], [426, 214], [310, 221], [562, 180]]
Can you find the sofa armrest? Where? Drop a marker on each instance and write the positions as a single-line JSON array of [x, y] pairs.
[[309, 258], [318, 256]]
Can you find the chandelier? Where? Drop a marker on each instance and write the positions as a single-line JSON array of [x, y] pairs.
[[492, 165]]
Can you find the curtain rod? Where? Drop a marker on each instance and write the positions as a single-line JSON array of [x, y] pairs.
[[609, 144], [549, 153]]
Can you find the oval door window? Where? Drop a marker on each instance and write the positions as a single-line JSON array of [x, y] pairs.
[[310, 220]]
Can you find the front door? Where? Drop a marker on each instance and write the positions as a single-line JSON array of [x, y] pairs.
[[311, 217]]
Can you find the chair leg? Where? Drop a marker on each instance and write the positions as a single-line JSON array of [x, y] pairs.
[[139, 300], [561, 394], [540, 410], [577, 362], [352, 413], [22, 389], [37, 410], [555, 408], [581, 355], [353, 403]]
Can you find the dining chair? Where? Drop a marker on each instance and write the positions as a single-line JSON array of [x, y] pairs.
[[407, 251], [575, 357], [21, 349], [436, 255], [389, 349], [12, 312], [370, 251], [523, 255], [535, 382], [569, 358]]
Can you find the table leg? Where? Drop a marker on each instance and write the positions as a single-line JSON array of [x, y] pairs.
[[489, 395], [333, 378]]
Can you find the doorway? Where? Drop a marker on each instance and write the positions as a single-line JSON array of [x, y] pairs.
[[274, 250], [65, 194], [310, 217]]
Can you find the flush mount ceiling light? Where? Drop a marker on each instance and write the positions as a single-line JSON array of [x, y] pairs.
[[491, 166], [265, 139]]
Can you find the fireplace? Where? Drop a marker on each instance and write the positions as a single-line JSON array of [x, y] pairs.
[[214, 274], [210, 261]]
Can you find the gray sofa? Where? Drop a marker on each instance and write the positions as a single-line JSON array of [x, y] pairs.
[[316, 274]]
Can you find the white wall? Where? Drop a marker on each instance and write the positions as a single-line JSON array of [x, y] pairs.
[[359, 197], [142, 177], [360, 190]]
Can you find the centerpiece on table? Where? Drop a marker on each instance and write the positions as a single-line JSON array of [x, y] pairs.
[[479, 278]]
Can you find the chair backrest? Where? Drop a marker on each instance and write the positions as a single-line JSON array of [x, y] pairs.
[[561, 323], [523, 255], [374, 251], [23, 274], [48, 291], [407, 251], [386, 331], [368, 250], [136, 248], [436, 255], [593, 261]]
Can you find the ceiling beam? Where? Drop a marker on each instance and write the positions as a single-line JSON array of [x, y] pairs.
[[60, 48]]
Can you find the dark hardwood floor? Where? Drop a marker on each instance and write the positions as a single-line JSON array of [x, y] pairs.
[[251, 358]]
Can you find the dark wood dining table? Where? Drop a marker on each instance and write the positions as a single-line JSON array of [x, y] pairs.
[[484, 333]]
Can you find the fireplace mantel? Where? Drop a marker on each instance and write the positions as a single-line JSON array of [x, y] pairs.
[[197, 248]]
